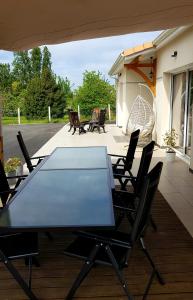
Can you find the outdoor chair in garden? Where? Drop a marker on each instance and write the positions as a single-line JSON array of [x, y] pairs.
[[25, 153], [5, 191], [77, 124], [114, 248], [120, 196], [94, 118], [14, 246], [124, 163], [70, 119], [101, 121]]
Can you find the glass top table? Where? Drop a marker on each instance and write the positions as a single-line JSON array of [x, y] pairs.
[[77, 158], [63, 193]]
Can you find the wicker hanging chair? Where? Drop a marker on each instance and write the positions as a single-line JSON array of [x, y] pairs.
[[141, 117]]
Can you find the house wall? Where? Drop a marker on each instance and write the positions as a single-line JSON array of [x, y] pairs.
[[127, 91], [166, 66]]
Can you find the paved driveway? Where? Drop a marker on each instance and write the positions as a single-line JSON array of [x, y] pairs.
[[35, 136]]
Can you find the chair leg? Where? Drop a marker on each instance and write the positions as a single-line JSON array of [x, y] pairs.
[[30, 272], [119, 220], [157, 273], [148, 285], [17, 276], [74, 131], [153, 224], [89, 262], [104, 129], [98, 129], [49, 236], [117, 270], [70, 128]]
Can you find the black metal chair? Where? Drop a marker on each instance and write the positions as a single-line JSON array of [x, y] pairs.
[[76, 123], [16, 246], [101, 121], [145, 161], [127, 160], [26, 155], [5, 191], [113, 248], [120, 197]]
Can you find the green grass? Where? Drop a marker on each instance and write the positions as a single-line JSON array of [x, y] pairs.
[[14, 120]]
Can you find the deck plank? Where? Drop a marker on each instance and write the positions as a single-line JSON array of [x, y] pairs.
[[171, 248]]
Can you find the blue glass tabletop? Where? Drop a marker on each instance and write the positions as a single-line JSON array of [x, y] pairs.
[[77, 158], [52, 199]]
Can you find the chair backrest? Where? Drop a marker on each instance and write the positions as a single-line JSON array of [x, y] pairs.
[[75, 118], [145, 202], [24, 151], [70, 115], [131, 149], [144, 165], [4, 185], [95, 114], [102, 116]]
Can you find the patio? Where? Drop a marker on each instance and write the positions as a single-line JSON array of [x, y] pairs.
[[171, 247], [176, 181]]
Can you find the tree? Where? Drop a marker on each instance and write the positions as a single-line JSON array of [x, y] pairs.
[[35, 105], [22, 68], [53, 93], [5, 77], [43, 92], [46, 62], [95, 91], [65, 86], [36, 62]]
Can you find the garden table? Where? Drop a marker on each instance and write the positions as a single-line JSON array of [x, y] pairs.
[[69, 190]]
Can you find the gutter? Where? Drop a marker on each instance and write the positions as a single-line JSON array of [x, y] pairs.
[[118, 61], [168, 35]]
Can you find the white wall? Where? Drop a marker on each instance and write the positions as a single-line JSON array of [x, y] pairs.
[[128, 90], [166, 66]]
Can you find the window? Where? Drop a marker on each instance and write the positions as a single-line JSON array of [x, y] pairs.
[[182, 98]]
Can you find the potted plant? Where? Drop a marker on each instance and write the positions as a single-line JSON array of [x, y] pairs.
[[170, 141], [13, 167]]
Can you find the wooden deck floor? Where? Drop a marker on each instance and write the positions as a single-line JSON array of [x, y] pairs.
[[171, 247]]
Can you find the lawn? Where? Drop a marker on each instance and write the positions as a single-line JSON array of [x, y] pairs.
[[14, 120]]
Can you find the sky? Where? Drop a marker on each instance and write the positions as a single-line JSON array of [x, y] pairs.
[[72, 59]]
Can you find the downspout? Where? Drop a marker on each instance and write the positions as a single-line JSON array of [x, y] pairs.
[[116, 83]]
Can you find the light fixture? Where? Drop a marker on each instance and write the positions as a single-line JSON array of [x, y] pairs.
[[175, 53]]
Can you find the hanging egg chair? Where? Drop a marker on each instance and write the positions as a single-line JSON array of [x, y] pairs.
[[141, 117]]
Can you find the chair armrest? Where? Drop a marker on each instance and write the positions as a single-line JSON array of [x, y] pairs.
[[102, 239], [125, 208], [118, 165], [10, 191], [125, 176], [116, 155], [18, 176], [39, 157]]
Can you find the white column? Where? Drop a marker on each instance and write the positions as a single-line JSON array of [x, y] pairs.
[[49, 114], [79, 111], [19, 116], [109, 111]]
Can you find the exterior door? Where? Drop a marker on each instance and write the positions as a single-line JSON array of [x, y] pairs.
[[182, 99]]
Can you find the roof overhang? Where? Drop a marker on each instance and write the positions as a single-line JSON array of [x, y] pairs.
[[25, 24], [124, 59]]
